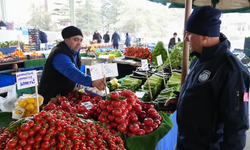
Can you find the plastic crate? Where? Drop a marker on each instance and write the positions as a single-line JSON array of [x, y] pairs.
[[34, 62]]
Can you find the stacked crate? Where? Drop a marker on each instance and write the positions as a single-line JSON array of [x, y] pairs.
[[34, 39]]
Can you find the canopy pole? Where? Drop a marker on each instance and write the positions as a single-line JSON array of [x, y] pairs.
[[3, 8], [185, 56], [72, 12]]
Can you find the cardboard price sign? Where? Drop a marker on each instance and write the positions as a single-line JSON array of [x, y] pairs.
[[26, 79], [110, 70], [96, 72], [159, 60], [144, 64]]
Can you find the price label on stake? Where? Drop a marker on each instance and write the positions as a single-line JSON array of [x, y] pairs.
[[26, 79], [110, 70], [87, 104], [159, 60], [96, 72], [144, 64]]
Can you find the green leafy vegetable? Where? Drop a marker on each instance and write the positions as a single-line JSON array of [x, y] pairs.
[[159, 50]]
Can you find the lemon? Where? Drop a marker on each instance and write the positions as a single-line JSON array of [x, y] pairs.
[[34, 111], [27, 114], [22, 103], [40, 100], [16, 106], [30, 100], [30, 107]]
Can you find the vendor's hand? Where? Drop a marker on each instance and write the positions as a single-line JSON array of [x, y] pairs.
[[99, 84], [173, 100]]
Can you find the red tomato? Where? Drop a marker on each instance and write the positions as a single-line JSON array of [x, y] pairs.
[[42, 131], [133, 118], [152, 112], [22, 142], [113, 125], [81, 107], [45, 145], [127, 93], [140, 132], [134, 128], [111, 117], [122, 128], [12, 143], [50, 107], [158, 117], [148, 121], [119, 119], [31, 132], [137, 107], [31, 123], [117, 112], [102, 105], [27, 147], [142, 114], [114, 95], [115, 104], [155, 125], [31, 141], [109, 108], [38, 138], [65, 104], [23, 135], [25, 127], [157, 121], [103, 118], [148, 129], [37, 145]]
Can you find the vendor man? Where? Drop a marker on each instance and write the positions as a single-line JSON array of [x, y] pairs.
[[61, 72], [212, 107]]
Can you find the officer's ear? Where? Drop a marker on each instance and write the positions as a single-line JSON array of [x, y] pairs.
[[204, 38]]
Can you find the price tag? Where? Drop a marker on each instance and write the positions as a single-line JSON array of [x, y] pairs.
[[110, 70], [96, 72], [159, 60], [26, 79], [144, 64], [140, 94], [87, 104]]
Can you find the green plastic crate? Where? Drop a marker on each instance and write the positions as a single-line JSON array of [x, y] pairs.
[[34, 62]]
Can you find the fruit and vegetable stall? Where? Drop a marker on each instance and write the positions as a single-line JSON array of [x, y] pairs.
[[130, 117]]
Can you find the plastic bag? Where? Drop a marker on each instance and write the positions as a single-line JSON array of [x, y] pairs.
[[7, 103], [26, 105]]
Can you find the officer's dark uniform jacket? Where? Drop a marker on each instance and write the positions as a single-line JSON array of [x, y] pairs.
[[211, 113], [52, 81]]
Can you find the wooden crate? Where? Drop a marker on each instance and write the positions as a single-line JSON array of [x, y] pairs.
[[26, 49]]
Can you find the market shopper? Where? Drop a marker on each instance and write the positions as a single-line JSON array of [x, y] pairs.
[[128, 40], [115, 40], [212, 106], [61, 72], [106, 37], [97, 36], [173, 41]]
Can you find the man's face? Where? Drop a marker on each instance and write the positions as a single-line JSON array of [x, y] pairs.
[[195, 41], [175, 35], [74, 42]]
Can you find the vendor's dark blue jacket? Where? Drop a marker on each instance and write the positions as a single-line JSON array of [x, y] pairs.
[[128, 41], [211, 113], [61, 73]]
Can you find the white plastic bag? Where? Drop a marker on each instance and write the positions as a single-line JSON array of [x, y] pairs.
[[7, 103]]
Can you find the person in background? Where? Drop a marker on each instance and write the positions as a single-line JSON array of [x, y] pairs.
[[106, 37], [115, 39], [61, 72], [97, 36], [212, 106], [173, 41], [128, 40], [43, 38]]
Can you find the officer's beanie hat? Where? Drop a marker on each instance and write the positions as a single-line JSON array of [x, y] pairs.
[[204, 21], [70, 31]]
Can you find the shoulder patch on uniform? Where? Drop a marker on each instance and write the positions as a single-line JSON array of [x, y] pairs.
[[204, 76]]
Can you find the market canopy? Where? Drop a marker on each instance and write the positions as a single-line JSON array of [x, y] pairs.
[[227, 6]]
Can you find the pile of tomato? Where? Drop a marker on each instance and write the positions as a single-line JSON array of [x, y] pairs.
[[130, 116], [139, 52], [73, 103], [59, 130]]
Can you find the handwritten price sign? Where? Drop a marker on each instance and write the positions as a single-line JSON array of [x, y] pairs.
[[26, 79], [159, 60], [96, 72], [144, 64], [110, 70]]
